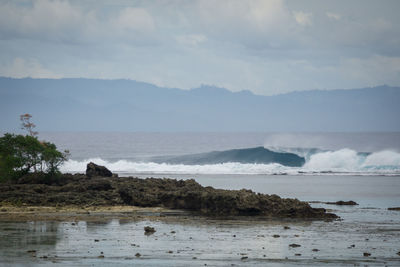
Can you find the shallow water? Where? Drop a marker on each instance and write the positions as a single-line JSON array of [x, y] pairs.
[[211, 242], [370, 227]]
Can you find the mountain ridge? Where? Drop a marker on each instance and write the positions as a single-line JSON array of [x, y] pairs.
[[81, 104]]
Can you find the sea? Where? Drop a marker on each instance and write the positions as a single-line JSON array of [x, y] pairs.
[[314, 167]]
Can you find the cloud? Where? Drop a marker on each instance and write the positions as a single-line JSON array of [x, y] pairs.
[[303, 18], [61, 21], [373, 70], [134, 19], [191, 39], [44, 19], [267, 46], [333, 16], [21, 68]]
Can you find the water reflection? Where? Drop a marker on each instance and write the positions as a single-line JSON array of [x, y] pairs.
[[188, 241]]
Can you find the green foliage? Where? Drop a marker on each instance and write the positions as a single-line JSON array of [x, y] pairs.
[[21, 154]]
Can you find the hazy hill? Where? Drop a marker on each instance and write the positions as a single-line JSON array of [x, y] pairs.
[[126, 105]]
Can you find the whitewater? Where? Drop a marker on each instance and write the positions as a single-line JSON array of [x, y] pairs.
[[343, 161]]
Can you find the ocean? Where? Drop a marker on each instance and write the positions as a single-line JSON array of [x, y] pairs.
[[167, 153], [316, 167], [364, 167]]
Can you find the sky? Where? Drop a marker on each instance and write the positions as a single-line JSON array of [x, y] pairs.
[[265, 46]]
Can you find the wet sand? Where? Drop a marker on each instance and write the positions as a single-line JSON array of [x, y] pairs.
[[26, 213], [114, 236]]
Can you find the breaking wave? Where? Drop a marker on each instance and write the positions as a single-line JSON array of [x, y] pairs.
[[343, 161]]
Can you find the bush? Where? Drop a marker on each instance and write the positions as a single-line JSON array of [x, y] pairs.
[[21, 154]]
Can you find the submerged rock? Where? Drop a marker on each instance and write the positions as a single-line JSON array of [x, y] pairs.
[[94, 170], [149, 230], [341, 203]]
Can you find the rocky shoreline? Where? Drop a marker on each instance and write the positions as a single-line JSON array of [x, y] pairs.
[[79, 190]]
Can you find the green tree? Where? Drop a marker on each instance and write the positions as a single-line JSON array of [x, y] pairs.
[[21, 154]]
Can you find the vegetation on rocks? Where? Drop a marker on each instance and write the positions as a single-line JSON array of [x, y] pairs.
[[22, 154]]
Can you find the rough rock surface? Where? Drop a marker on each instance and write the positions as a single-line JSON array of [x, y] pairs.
[[94, 170], [153, 192]]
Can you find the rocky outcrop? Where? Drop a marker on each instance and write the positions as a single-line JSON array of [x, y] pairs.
[[153, 192], [94, 170]]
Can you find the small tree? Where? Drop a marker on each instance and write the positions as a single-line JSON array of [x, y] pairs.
[[27, 125]]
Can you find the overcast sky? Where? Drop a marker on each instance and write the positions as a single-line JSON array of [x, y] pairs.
[[266, 46]]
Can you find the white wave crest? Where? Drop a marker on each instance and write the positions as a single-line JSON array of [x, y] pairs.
[[347, 160], [340, 161], [124, 166], [383, 158]]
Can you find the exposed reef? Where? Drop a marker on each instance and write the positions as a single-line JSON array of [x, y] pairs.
[[80, 190]]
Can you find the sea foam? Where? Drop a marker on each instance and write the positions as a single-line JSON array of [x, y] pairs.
[[343, 161]]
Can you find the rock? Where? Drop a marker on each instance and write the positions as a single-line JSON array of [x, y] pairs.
[[100, 256], [286, 227], [398, 253], [94, 170], [294, 245], [366, 254], [342, 203], [149, 230], [78, 190], [137, 255], [394, 208], [96, 240], [170, 251], [297, 254], [276, 236], [315, 249], [173, 232], [244, 258]]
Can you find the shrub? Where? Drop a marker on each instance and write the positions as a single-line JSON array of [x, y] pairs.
[[21, 154]]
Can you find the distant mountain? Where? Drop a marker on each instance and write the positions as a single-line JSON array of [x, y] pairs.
[[126, 105]]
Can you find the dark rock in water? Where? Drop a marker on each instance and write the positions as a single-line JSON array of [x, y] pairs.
[[394, 208], [137, 255], [297, 254], [276, 236], [286, 227], [342, 203], [244, 258], [149, 230], [94, 170], [315, 249], [366, 254], [294, 245]]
